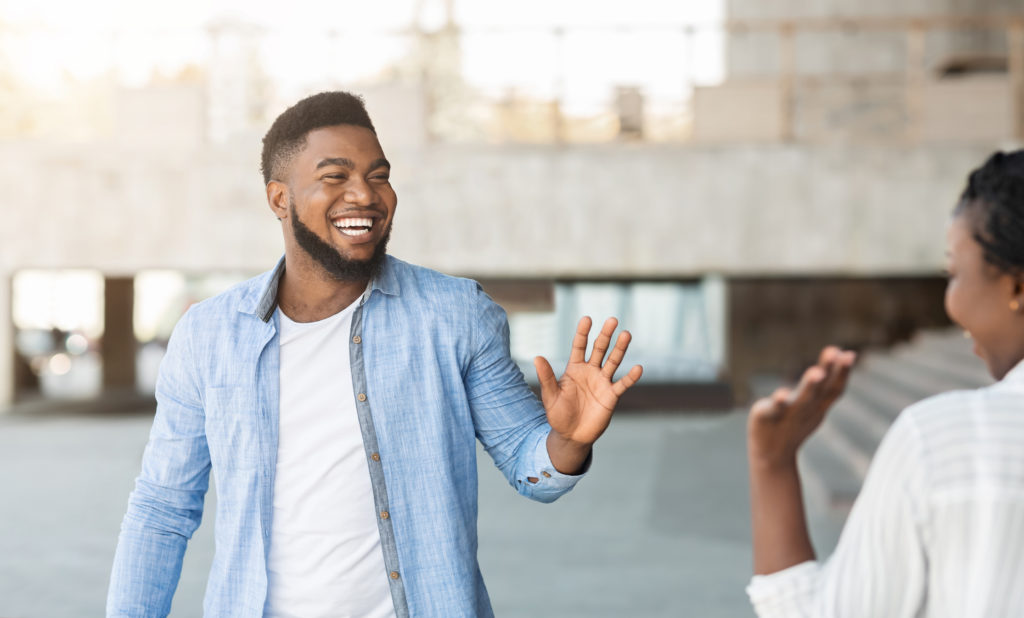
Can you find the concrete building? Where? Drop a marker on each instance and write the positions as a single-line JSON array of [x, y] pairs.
[[808, 206]]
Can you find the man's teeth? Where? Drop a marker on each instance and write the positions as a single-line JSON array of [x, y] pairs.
[[353, 226]]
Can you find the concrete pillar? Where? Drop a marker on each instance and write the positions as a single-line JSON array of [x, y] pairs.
[[787, 80], [118, 333], [629, 105], [1015, 40], [6, 344]]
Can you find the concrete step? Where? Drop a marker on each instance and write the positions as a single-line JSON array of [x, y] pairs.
[[915, 378], [886, 393], [949, 342], [958, 370], [829, 476], [836, 459]]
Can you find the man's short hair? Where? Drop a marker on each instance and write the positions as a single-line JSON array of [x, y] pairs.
[[287, 136]]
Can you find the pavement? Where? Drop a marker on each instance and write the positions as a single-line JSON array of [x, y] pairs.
[[660, 527]]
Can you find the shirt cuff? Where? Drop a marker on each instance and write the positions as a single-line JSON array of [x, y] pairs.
[[548, 478], [789, 592]]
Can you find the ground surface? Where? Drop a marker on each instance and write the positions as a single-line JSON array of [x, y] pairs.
[[658, 528]]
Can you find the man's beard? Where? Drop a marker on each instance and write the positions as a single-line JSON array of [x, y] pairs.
[[338, 266]]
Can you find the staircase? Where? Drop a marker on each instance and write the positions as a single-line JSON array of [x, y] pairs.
[[835, 459]]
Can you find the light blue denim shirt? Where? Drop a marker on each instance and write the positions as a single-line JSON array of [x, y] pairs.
[[432, 374]]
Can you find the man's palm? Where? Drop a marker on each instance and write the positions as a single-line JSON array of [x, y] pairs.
[[580, 404]]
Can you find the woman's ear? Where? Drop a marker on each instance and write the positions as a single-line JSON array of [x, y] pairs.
[[1017, 299]]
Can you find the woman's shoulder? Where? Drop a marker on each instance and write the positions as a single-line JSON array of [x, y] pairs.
[[958, 430], [957, 409]]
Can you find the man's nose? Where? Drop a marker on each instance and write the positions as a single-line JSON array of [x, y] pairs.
[[358, 192]]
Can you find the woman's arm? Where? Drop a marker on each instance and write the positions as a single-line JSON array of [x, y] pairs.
[[776, 428], [879, 567]]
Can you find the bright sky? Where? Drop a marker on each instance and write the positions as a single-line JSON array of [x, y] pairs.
[[45, 41]]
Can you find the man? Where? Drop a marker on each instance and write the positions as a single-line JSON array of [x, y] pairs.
[[337, 400]]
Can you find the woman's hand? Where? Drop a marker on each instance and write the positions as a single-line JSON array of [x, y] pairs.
[[776, 427], [779, 424]]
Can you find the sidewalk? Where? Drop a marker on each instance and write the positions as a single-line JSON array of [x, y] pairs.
[[659, 527]]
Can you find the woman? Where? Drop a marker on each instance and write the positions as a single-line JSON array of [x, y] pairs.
[[938, 528]]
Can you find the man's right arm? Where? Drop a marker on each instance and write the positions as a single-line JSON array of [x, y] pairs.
[[167, 504]]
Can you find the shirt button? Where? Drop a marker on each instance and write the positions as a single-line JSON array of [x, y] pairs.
[[375, 457], [394, 574], [357, 339], [361, 396], [545, 475], [384, 515]]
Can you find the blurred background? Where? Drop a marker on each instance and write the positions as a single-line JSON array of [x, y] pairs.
[[740, 182]]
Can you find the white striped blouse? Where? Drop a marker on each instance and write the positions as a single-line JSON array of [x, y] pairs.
[[938, 528]]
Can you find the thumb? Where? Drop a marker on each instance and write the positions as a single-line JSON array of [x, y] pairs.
[[546, 377]]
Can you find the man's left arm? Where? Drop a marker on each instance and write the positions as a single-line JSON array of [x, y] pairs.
[[542, 448]]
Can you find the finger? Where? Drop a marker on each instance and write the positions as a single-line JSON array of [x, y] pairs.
[[546, 377], [782, 398], [602, 341], [839, 374], [618, 353], [765, 407], [771, 407], [579, 340], [628, 380], [828, 355], [782, 395], [809, 386]]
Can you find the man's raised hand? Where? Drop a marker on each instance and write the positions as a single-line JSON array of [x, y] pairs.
[[579, 405]]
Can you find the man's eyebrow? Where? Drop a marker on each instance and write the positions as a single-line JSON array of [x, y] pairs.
[[348, 164], [340, 161]]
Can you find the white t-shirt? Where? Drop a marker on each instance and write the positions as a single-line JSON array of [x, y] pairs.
[[325, 555]]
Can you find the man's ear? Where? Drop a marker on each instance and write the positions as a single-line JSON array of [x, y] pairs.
[[277, 199]]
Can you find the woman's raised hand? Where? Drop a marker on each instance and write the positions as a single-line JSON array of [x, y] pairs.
[[780, 423]]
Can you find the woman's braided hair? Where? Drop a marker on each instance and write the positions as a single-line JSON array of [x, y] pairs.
[[994, 199]]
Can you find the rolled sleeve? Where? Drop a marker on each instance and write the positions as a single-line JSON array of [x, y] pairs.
[[786, 593], [549, 480], [509, 420]]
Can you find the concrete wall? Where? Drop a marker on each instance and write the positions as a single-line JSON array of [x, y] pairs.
[[6, 343], [968, 108], [675, 211], [755, 53], [614, 210], [498, 212]]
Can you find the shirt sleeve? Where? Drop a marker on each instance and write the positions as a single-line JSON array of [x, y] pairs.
[[509, 420], [167, 504], [879, 567]]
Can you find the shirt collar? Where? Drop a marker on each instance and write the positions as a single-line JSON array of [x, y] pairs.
[[261, 300], [1015, 375]]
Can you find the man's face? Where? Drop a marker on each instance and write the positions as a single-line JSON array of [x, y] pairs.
[[340, 201]]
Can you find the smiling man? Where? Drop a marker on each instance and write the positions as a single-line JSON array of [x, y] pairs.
[[338, 399]]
